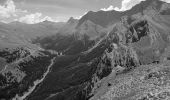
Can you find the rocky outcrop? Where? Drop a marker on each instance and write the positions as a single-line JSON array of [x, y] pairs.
[[137, 40], [144, 83]]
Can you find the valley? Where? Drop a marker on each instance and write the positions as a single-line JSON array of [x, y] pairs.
[[105, 55]]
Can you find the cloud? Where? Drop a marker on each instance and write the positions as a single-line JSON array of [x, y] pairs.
[[79, 17], [108, 9], [126, 5], [35, 18], [8, 9], [168, 1], [9, 12]]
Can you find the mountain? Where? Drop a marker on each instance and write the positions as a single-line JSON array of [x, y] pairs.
[[102, 56], [92, 30], [138, 41], [71, 39], [22, 68], [21, 34], [106, 18], [102, 18], [69, 27]]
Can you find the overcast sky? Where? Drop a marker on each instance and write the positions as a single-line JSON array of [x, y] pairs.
[[34, 11]]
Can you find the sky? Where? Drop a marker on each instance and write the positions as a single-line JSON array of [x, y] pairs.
[[54, 10], [34, 11]]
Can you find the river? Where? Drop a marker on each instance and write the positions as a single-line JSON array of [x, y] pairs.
[[36, 83]]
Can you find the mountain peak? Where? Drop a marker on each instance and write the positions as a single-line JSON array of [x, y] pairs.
[[72, 20], [105, 18]]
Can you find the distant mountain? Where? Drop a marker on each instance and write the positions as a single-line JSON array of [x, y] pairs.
[[90, 29], [106, 18], [72, 21], [105, 55], [69, 27], [103, 18], [71, 39], [20, 33], [137, 41]]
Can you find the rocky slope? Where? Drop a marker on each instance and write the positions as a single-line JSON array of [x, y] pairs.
[[126, 57], [145, 38], [149, 82], [139, 40], [21, 68]]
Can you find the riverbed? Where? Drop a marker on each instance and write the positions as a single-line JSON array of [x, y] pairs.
[[36, 83]]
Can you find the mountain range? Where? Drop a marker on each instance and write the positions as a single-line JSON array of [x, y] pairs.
[[105, 55]]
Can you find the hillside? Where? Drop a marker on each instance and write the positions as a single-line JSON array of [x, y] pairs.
[[16, 33], [106, 55], [138, 40]]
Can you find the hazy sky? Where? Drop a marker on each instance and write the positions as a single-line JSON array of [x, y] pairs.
[[58, 10], [34, 11], [66, 8]]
